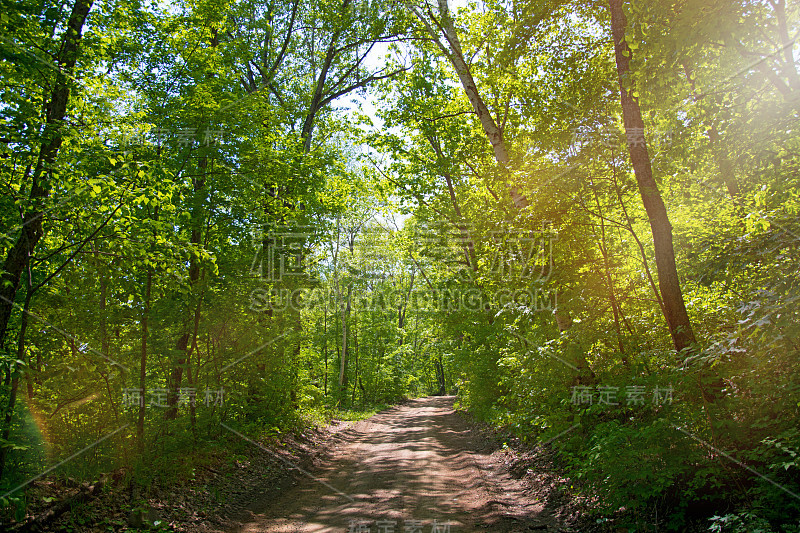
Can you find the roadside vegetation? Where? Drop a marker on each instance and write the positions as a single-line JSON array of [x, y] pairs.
[[224, 221]]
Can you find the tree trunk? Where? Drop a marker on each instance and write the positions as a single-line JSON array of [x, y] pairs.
[[188, 341], [12, 398], [726, 169], [43, 521], [490, 127], [143, 361], [357, 377], [616, 308], [442, 389], [642, 252], [727, 173], [343, 359], [467, 244], [105, 346], [493, 132], [32, 229], [319, 88], [680, 327], [325, 346]]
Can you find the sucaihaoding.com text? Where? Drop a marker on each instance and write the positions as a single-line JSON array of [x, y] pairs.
[[434, 300]]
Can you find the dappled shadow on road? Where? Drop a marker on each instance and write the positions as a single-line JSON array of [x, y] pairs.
[[417, 463]]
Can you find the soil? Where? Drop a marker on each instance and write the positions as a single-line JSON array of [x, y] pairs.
[[417, 467]]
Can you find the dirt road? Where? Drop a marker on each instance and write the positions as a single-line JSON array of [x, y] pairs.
[[416, 468]]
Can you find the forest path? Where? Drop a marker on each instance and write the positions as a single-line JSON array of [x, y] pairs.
[[416, 462]]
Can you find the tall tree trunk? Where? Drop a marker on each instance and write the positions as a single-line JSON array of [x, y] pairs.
[[402, 309], [343, 358], [357, 377], [439, 365], [143, 361], [467, 244], [319, 89], [325, 346], [32, 228], [297, 328], [12, 398], [726, 169], [188, 340], [680, 327], [493, 132], [789, 65], [105, 345], [642, 252], [193, 396], [616, 308], [727, 173]]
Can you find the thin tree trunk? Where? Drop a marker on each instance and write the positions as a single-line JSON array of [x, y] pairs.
[[343, 362], [789, 65], [325, 346], [726, 169], [189, 340], [105, 346], [493, 132], [402, 308], [466, 241], [615, 307], [642, 252], [193, 396], [357, 377], [440, 375], [143, 361], [727, 173], [680, 327], [297, 326], [12, 398]]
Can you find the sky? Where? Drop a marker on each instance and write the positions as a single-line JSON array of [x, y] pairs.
[[369, 104]]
